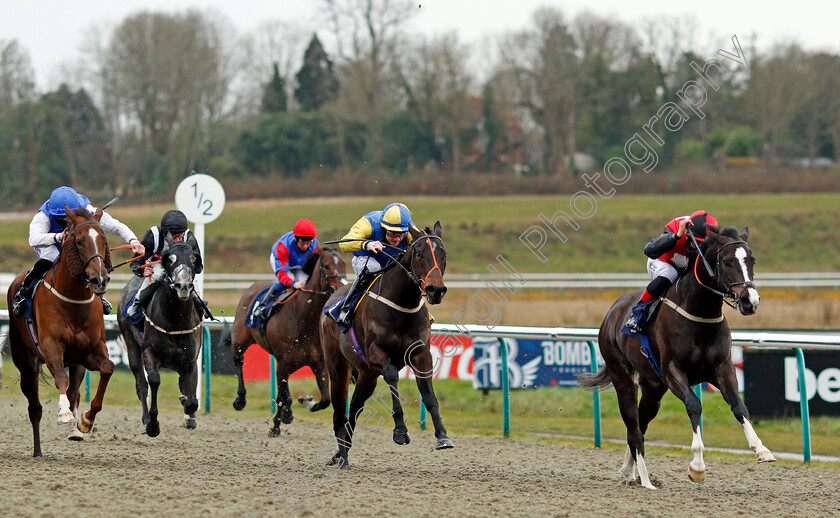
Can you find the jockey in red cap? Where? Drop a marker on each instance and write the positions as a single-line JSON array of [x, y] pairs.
[[287, 257], [668, 254]]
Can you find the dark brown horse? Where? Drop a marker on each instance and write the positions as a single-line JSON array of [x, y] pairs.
[[290, 335], [691, 342], [393, 329], [70, 327]]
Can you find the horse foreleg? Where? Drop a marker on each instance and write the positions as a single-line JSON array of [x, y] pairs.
[[726, 380], [284, 400], [423, 370], [392, 376], [187, 383], [153, 375], [106, 369], [678, 383], [53, 357], [77, 374]]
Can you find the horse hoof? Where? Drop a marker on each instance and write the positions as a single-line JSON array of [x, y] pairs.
[[401, 438], [338, 459], [239, 403], [307, 401], [190, 423], [143, 430], [696, 476], [76, 435], [765, 456], [66, 418], [153, 429], [286, 417], [274, 432], [444, 443], [84, 424]]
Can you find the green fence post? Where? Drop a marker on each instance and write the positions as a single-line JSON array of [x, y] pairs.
[[698, 391], [87, 386], [273, 374], [206, 350], [803, 407], [422, 413], [596, 396], [505, 388]]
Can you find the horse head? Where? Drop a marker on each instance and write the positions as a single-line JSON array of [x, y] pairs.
[[427, 262], [733, 267], [332, 269], [179, 263], [86, 248]]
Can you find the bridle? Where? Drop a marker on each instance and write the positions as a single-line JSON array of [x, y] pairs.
[[415, 279], [729, 293], [171, 276], [86, 261], [326, 277]]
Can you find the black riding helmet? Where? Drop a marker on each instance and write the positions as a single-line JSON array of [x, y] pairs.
[[174, 222]]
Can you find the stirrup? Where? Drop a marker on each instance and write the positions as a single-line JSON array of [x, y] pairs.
[[18, 304], [106, 306]]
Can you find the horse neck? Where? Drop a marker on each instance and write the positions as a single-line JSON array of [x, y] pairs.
[[398, 287], [696, 299], [63, 280]]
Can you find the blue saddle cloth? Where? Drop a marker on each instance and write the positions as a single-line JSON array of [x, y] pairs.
[[334, 310], [641, 315], [253, 321]]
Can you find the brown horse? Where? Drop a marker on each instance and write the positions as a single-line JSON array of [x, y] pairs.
[[392, 328], [290, 335], [70, 327], [691, 343]]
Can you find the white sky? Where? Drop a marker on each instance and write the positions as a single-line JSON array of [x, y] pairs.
[[52, 30]]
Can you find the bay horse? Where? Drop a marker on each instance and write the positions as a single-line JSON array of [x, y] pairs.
[[171, 337], [690, 340], [69, 324], [290, 335], [392, 328]]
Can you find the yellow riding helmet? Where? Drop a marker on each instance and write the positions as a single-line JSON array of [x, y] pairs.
[[396, 217]]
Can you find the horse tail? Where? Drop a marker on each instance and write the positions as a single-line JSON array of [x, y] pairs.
[[225, 337], [595, 381]]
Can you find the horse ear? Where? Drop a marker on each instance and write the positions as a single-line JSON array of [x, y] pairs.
[[169, 240], [98, 214], [70, 215], [438, 229], [745, 234], [413, 232]]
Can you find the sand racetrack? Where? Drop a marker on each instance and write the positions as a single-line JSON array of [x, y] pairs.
[[229, 467]]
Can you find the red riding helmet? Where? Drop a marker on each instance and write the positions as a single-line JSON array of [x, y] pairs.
[[305, 228], [701, 220]]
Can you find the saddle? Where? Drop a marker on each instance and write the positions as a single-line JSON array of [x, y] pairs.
[[334, 311], [271, 307]]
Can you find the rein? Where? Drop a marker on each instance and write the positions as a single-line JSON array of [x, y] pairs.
[[730, 293], [325, 277], [87, 261]]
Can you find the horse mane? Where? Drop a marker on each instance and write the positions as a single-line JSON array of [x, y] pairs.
[[309, 266], [68, 248], [730, 232]]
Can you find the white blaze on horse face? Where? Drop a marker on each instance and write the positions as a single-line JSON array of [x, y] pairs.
[[93, 235], [752, 293]]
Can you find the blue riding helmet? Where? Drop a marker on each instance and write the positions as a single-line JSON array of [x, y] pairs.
[[396, 217], [63, 196]]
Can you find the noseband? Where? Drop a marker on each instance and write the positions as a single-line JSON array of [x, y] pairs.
[[729, 293], [86, 261], [170, 276]]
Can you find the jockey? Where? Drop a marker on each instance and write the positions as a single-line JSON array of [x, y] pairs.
[[174, 224], [668, 255], [367, 240], [287, 258], [47, 230]]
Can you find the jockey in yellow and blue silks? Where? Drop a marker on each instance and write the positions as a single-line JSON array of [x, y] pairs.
[[288, 255], [367, 241], [47, 230]]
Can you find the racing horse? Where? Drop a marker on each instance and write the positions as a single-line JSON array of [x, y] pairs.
[[171, 336], [391, 330], [290, 335], [69, 330], [690, 343]]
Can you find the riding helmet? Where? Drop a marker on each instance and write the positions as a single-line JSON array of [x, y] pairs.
[[174, 221], [701, 221], [305, 228], [63, 196], [396, 217]]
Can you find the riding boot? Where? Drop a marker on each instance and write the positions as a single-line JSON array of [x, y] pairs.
[[266, 300], [141, 300], [41, 267], [106, 306], [360, 282], [639, 315]]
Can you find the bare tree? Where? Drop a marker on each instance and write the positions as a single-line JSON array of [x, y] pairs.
[[366, 34]]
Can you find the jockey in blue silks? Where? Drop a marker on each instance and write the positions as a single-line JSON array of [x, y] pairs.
[[367, 239], [288, 255], [47, 230]]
